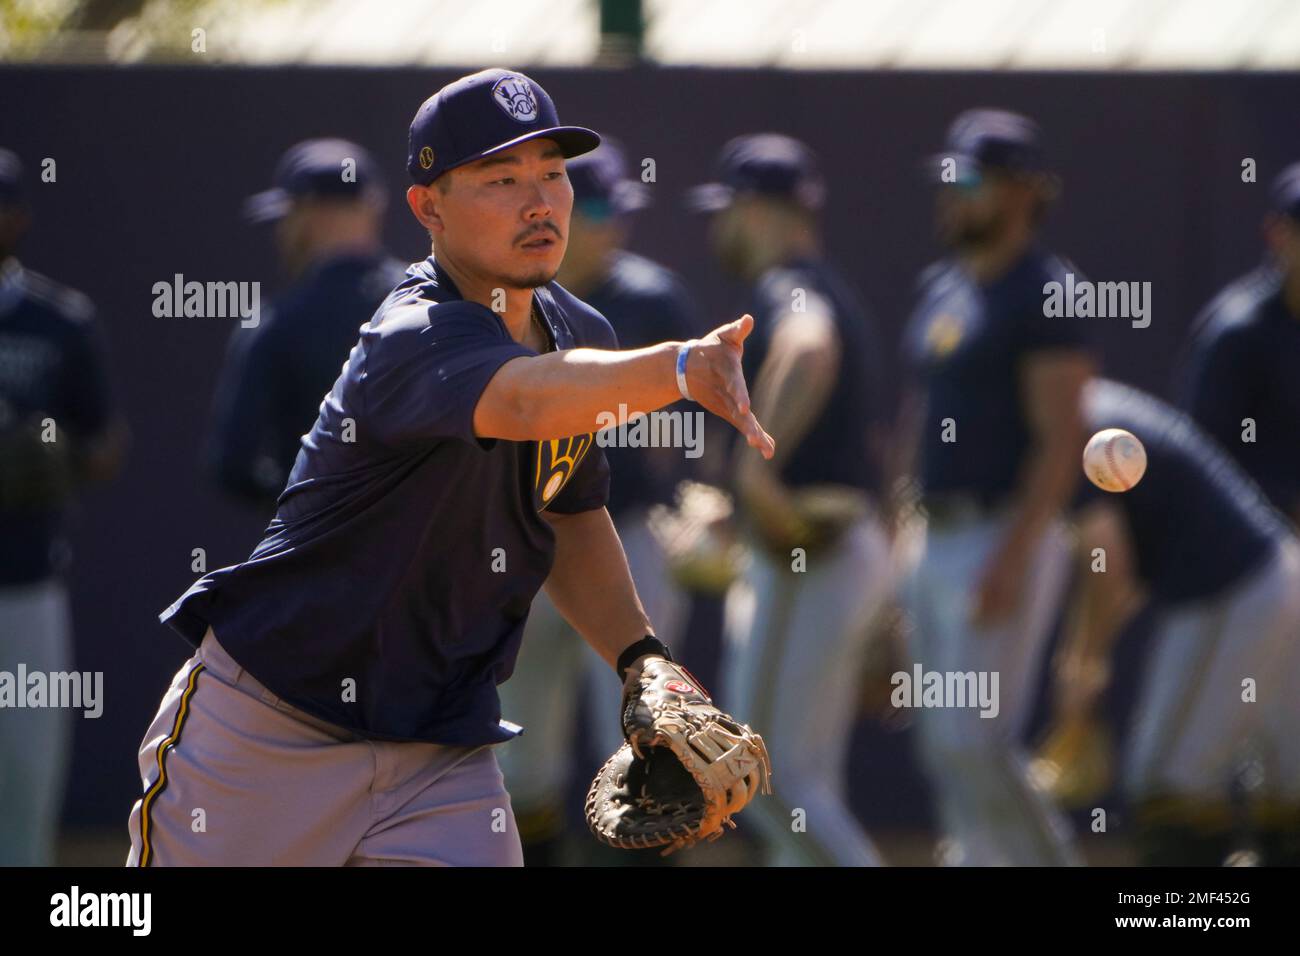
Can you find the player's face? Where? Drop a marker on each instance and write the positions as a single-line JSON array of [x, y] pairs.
[[728, 237], [291, 238], [970, 215], [593, 234], [314, 227], [506, 217]]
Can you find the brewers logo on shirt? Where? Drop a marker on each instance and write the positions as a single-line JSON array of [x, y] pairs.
[[557, 460], [943, 335]]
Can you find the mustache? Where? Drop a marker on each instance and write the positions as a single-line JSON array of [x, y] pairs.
[[533, 230]]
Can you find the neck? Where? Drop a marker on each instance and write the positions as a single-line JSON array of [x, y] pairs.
[[991, 261], [513, 305]]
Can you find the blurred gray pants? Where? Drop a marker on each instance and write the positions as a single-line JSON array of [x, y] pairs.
[[795, 646], [35, 743], [978, 766]]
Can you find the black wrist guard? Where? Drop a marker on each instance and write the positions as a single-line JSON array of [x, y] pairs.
[[647, 645]]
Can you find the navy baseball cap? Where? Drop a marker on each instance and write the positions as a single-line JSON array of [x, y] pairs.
[[763, 164], [1285, 193], [988, 139], [319, 169], [601, 185], [11, 178], [482, 114]]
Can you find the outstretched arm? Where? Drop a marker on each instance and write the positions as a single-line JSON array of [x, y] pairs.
[[1106, 595], [534, 398], [792, 389], [1051, 388]]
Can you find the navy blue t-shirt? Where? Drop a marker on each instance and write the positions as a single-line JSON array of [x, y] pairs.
[[646, 304], [277, 373], [965, 342], [51, 366], [1245, 363], [405, 552], [1197, 521], [835, 448]]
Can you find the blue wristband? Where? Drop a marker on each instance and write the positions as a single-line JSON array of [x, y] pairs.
[[684, 351]]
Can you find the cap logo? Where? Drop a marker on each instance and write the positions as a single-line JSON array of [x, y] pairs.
[[515, 96], [426, 158]]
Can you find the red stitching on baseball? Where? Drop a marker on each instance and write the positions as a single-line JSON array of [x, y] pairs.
[[1109, 449]]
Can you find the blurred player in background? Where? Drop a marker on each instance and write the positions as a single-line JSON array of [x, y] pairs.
[[797, 619], [57, 430], [1199, 539], [327, 205], [1243, 377], [995, 426], [645, 303]]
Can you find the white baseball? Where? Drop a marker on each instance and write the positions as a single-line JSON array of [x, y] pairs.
[[1114, 460]]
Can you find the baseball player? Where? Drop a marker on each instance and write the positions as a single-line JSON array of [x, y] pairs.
[[796, 620], [994, 420], [58, 430], [1198, 539], [327, 205], [341, 706], [645, 303], [1243, 377]]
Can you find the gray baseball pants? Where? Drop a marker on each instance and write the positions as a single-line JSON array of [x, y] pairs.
[[234, 776]]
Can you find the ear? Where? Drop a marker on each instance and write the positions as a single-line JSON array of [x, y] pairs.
[[423, 203]]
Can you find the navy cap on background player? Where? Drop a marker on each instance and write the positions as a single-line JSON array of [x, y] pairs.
[[482, 114], [11, 178], [601, 185], [1285, 192], [990, 139], [315, 168], [763, 164]]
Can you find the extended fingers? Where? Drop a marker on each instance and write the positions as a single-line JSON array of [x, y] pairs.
[[758, 437], [734, 399], [754, 433], [744, 415], [737, 389]]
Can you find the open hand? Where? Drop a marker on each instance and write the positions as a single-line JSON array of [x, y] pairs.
[[715, 380]]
